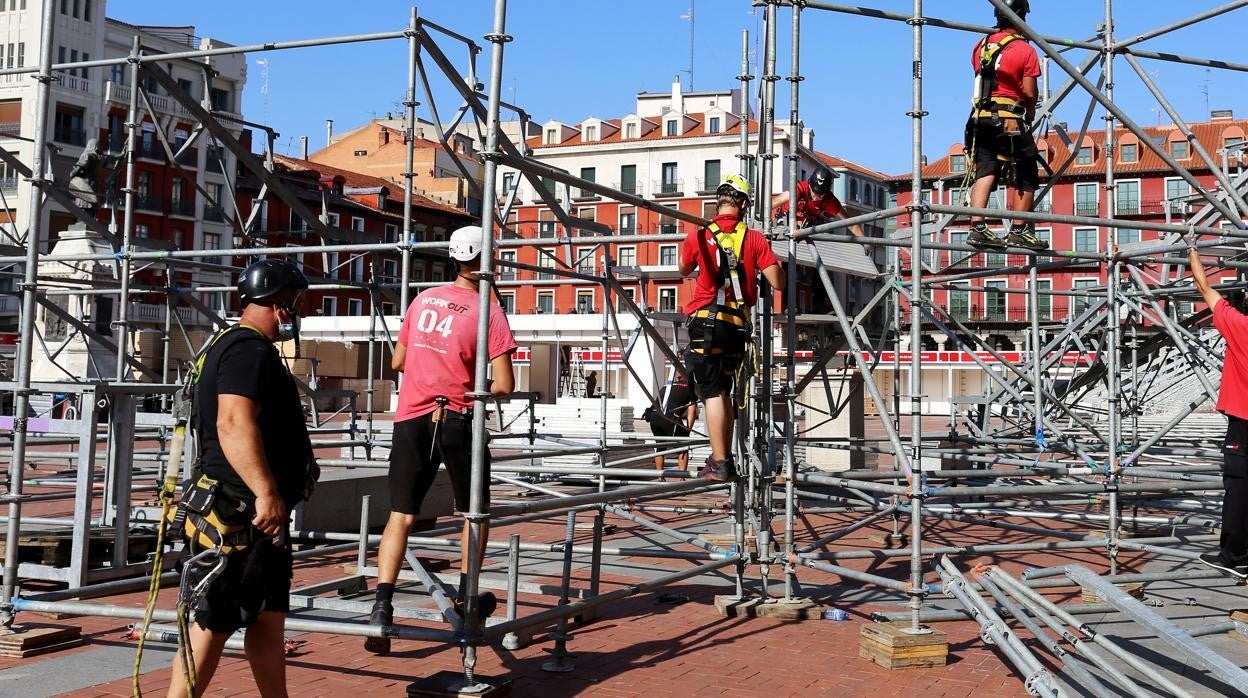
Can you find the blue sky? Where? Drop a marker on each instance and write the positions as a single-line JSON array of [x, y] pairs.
[[575, 58]]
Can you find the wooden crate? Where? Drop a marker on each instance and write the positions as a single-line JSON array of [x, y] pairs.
[[890, 646]]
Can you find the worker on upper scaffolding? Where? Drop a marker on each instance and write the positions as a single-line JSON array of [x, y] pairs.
[[437, 354], [816, 203], [1232, 554], [728, 258], [998, 136]]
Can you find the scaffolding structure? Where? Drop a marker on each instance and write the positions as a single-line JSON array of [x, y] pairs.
[[1023, 450]]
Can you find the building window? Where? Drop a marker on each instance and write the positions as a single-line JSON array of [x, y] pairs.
[[509, 181], [672, 129], [630, 130], [355, 307], [1044, 301], [546, 229], [957, 163], [958, 238], [212, 241], [713, 125], [710, 175], [620, 305], [667, 255], [1179, 150], [995, 297], [1085, 239], [670, 184], [960, 301], [626, 257], [1177, 189], [1127, 236], [141, 230], [545, 260], [1128, 197], [1130, 152], [329, 306], [68, 125], [585, 260], [552, 136], [507, 301], [628, 222], [591, 133], [297, 224], [628, 179], [357, 224], [853, 189], [392, 233], [667, 299], [585, 302], [505, 272], [1084, 156], [546, 302], [1085, 199], [389, 271], [1081, 301], [221, 99]]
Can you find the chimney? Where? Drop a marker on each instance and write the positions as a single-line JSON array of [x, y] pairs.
[[923, 162], [1221, 115], [678, 104], [329, 132], [303, 147]]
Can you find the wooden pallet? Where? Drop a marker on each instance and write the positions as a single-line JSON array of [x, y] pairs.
[[890, 646], [56, 547], [28, 640]]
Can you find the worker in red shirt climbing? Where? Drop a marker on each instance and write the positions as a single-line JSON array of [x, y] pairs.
[[998, 136], [815, 202], [728, 258], [1232, 554]]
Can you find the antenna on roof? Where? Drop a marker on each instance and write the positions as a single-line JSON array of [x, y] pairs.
[[690, 16], [1205, 90]]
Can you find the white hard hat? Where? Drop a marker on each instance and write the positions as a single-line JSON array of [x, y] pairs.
[[466, 243]]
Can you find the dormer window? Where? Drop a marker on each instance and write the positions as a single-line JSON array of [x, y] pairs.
[[630, 130], [552, 136], [1130, 152], [712, 125], [591, 133], [957, 163], [671, 127], [1084, 157]]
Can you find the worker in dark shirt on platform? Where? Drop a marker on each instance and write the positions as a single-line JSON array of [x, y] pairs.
[[1232, 554], [253, 442], [675, 416]]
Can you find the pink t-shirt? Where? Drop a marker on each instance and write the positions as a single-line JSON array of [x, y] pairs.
[[1233, 325], [440, 333]]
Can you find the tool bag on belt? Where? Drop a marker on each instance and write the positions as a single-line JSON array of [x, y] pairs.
[[1004, 112], [212, 518]]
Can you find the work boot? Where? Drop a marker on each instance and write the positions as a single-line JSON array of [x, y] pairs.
[[718, 470], [981, 237], [1025, 236], [383, 614]]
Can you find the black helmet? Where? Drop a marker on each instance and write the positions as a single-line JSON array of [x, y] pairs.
[[1020, 8], [267, 278], [821, 181]]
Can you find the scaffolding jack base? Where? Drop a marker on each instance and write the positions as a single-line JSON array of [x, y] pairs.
[[28, 640], [446, 684], [892, 647], [758, 607]]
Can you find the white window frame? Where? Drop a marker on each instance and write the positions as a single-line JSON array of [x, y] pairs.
[[619, 255], [357, 224], [1074, 286], [674, 248], [675, 294], [392, 232], [1139, 193], [632, 213], [585, 293], [591, 261], [1165, 188], [631, 292], [507, 273], [1074, 193], [1074, 238], [537, 307], [1005, 284], [332, 219], [355, 307], [329, 306], [713, 125], [960, 287], [508, 296], [1041, 285]]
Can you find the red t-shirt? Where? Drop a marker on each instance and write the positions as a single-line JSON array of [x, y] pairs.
[[701, 251], [809, 210], [440, 333], [1233, 397], [1016, 61]]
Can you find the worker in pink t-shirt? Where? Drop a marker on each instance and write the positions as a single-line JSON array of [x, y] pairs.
[[436, 352]]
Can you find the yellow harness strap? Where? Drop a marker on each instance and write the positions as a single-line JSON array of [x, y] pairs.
[[730, 245]]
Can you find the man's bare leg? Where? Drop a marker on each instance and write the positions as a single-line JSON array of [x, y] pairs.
[[981, 190], [266, 653], [206, 647]]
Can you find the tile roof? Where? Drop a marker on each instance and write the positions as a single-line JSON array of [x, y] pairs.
[[1211, 135], [835, 162], [363, 181]]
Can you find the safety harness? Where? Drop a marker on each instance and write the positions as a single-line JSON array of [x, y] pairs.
[[719, 333], [1005, 113], [986, 105]]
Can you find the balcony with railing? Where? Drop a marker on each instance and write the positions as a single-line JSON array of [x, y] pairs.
[[634, 188], [74, 82], [182, 207], [8, 185], [1127, 207], [10, 129], [69, 136], [10, 305], [579, 194], [149, 202], [1087, 208], [150, 149], [155, 312], [669, 188], [214, 214], [1051, 312]]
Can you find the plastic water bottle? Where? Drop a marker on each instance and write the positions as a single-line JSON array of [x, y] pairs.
[[835, 614]]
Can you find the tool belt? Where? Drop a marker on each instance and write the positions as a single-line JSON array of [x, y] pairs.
[[211, 519], [1000, 108], [718, 329]]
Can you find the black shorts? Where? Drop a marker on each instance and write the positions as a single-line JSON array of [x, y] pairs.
[[1010, 158], [254, 580], [415, 456], [712, 375], [672, 425]]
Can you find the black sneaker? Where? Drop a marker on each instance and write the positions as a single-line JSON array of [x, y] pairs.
[[1218, 562], [981, 237], [1025, 236], [718, 470], [383, 614]]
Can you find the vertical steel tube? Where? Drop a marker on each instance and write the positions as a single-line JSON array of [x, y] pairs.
[[1112, 360], [127, 226], [477, 514], [409, 135], [746, 168], [916, 317], [39, 177], [790, 303]]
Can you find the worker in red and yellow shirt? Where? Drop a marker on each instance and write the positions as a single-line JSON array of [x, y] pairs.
[[815, 202], [728, 258]]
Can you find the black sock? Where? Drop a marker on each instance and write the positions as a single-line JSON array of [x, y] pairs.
[[385, 592], [463, 584]]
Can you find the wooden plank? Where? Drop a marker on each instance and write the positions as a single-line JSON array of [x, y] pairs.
[[894, 635], [797, 609], [878, 654], [28, 640]]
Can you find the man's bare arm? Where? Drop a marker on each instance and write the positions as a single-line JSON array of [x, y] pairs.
[[239, 433]]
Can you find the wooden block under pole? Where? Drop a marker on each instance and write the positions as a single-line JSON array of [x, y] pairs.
[[891, 646], [1134, 589], [890, 541], [757, 607], [29, 639]]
